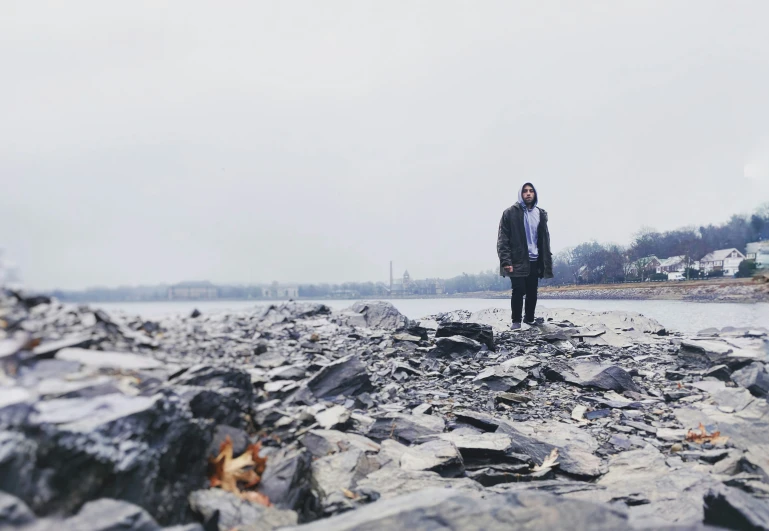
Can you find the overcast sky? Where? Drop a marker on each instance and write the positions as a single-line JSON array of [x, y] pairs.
[[148, 142]]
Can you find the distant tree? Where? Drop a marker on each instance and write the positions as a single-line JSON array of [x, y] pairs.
[[746, 269]]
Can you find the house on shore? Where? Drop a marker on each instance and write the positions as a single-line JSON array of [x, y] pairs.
[[676, 264], [726, 260], [200, 290], [758, 251], [643, 267], [280, 291]]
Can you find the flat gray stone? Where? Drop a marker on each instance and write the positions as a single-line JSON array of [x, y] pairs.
[[407, 428], [235, 512], [108, 360], [448, 509], [438, 456]]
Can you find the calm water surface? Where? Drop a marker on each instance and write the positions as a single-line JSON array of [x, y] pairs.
[[687, 317]]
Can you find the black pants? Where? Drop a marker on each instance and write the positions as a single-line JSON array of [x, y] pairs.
[[525, 286]]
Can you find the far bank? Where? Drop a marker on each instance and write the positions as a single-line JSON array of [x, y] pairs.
[[721, 290]]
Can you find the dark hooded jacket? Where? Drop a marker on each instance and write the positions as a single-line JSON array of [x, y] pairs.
[[512, 247]]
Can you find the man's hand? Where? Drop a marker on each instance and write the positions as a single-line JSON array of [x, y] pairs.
[[508, 269]]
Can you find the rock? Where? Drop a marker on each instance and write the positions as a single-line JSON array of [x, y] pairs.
[[656, 496], [489, 477], [286, 480], [754, 378], [615, 379], [238, 437], [392, 482], [381, 315], [480, 444], [578, 413], [512, 398], [480, 333], [232, 512], [720, 372], [674, 375], [334, 474], [731, 508], [407, 337], [406, 428], [671, 434], [640, 426], [598, 414], [49, 348], [112, 446], [108, 360], [573, 458], [333, 416], [449, 509], [438, 456], [107, 515], [501, 378], [217, 393], [324, 442], [345, 376], [195, 314], [484, 421], [423, 409], [14, 512], [455, 347]]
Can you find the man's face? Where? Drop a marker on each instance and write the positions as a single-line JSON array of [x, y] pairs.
[[528, 194]]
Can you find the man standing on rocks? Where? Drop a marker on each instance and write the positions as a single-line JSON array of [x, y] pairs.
[[523, 246]]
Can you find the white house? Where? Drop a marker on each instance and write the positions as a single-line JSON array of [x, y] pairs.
[[758, 251], [193, 290], [676, 264], [280, 291], [726, 260]]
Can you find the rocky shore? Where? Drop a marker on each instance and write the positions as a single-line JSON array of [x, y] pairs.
[[729, 290], [297, 417]]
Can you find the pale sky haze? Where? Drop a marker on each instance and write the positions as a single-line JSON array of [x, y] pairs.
[[249, 141]]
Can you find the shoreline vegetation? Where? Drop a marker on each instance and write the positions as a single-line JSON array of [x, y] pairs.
[[746, 290], [734, 290]]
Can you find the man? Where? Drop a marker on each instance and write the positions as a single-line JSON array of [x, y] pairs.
[[523, 246]]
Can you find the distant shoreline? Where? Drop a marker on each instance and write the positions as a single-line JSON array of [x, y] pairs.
[[721, 290]]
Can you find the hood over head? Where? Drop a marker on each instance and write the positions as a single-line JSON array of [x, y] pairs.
[[520, 195]]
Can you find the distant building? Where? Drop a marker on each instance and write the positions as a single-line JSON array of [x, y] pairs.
[[345, 294], [402, 286], [644, 266], [758, 251], [726, 260], [278, 291], [193, 291], [676, 264], [428, 286]]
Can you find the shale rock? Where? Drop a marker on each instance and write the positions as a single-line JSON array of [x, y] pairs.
[[481, 333], [460, 510], [380, 314], [231, 512]]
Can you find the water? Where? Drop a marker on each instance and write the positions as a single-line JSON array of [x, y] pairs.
[[687, 317]]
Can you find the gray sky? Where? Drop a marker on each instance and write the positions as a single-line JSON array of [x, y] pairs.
[[146, 142]]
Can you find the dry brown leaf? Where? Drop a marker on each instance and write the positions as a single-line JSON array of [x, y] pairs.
[[228, 472], [702, 436], [549, 462], [350, 494], [32, 343]]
